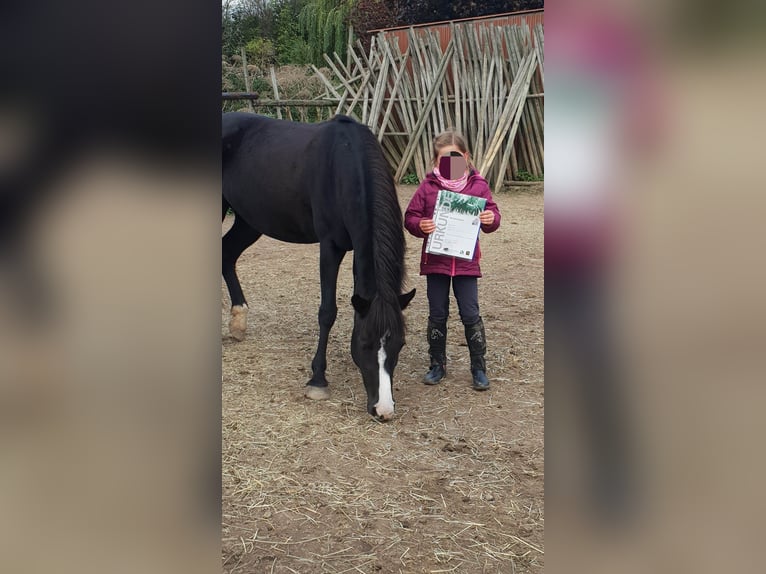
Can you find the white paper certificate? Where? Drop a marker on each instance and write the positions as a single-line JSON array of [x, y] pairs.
[[457, 224]]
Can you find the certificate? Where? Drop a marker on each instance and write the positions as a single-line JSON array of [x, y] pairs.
[[457, 224]]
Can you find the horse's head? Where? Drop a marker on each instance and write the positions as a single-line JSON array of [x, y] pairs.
[[377, 339]]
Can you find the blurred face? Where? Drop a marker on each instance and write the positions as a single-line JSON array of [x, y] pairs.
[[452, 163]]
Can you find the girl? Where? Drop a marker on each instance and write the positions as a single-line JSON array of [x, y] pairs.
[[450, 153]]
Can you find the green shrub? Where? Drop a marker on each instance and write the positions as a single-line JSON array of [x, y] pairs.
[[524, 175]]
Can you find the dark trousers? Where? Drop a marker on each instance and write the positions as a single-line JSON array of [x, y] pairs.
[[466, 290]]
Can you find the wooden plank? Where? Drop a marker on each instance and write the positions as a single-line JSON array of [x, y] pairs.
[[258, 101], [396, 123], [525, 79], [428, 103], [434, 50], [394, 89], [364, 56], [448, 92], [276, 90], [247, 77], [498, 84], [428, 76], [403, 105], [463, 80], [380, 90], [456, 87], [326, 82], [344, 82], [409, 86], [524, 147], [341, 66], [349, 44], [374, 70], [540, 48], [514, 161], [532, 119], [481, 82], [340, 76], [474, 63], [536, 131], [362, 67], [537, 109], [419, 82], [418, 70], [522, 183], [350, 110], [515, 57], [512, 109]]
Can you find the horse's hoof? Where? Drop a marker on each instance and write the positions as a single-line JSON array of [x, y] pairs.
[[238, 323], [317, 393]]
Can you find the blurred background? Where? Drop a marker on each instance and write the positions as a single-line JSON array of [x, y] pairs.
[[654, 319], [109, 315], [109, 230]]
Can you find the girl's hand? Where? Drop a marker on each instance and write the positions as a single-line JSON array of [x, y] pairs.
[[427, 225], [486, 217]]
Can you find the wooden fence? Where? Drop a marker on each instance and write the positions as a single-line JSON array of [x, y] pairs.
[[479, 83], [487, 83], [315, 110]]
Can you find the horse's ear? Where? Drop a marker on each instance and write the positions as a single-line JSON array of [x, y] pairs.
[[405, 299], [361, 304]]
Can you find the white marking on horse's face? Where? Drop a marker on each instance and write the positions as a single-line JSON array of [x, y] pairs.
[[385, 405]]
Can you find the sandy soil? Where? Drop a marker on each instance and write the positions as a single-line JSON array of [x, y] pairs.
[[453, 484]]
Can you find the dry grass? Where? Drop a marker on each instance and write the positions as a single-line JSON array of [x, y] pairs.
[[452, 484], [294, 82]]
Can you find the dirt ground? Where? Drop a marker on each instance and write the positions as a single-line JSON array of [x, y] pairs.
[[453, 484]]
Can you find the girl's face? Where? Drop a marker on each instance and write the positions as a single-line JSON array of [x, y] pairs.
[[452, 162]]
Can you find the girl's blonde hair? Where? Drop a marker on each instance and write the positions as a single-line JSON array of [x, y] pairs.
[[450, 137]]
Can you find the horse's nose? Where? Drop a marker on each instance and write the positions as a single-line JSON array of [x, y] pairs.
[[383, 412]]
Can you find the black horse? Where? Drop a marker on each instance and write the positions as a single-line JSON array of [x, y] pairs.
[[327, 183]]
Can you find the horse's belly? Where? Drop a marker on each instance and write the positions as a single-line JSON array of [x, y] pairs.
[[293, 237], [282, 227]]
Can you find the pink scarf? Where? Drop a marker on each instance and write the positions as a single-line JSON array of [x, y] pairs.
[[451, 184]]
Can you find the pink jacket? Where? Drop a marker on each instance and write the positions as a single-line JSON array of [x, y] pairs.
[[422, 206]]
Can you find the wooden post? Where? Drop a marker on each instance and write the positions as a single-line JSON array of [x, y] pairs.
[[392, 94], [276, 91], [247, 78]]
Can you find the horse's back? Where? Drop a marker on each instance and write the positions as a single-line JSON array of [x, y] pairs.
[[298, 182], [266, 177]]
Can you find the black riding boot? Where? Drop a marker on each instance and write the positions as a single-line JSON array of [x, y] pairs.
[[477, 347], [437, 350]]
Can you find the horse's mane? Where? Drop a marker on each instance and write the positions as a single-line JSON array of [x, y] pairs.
[[388, 244]]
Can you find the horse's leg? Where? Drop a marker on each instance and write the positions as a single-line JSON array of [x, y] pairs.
[[237, 239], [330, 258]]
